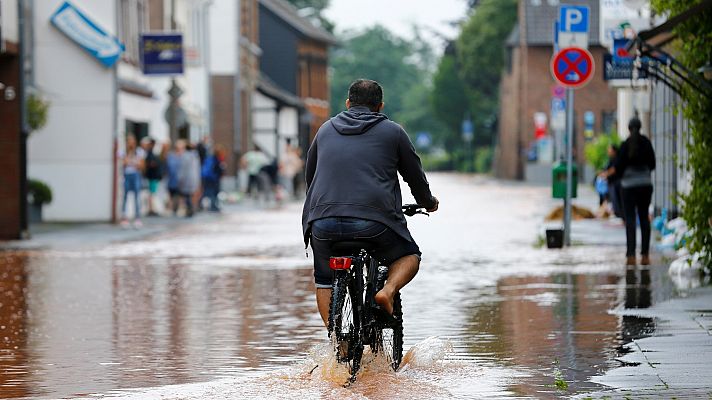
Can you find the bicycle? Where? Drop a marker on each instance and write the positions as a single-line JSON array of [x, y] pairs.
[[355, 319]]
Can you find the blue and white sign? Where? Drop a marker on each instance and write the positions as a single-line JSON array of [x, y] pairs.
[[558, 114], [468, 130], [573, 27], [162, 53], [573, 19], [93, 39]]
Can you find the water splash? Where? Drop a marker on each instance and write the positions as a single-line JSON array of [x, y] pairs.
[[428, 353]]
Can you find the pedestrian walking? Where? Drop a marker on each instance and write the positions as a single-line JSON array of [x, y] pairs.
[[212, 171], [635, 162], [152, 172], [132, 161], [291, 164], [173, 163], [189, 177], [253, 161]]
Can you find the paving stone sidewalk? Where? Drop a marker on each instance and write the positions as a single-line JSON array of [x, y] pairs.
[[675, 361]]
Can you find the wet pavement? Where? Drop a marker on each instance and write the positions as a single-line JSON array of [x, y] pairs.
[[224, 308]]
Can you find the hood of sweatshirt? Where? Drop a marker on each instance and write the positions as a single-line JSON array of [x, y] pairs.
[[356, 120]]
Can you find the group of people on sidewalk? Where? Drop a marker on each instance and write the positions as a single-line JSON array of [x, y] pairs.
[[190, 173], [187, 175], [630, 188]]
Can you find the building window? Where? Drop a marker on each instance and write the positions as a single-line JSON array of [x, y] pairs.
[[133, 22]]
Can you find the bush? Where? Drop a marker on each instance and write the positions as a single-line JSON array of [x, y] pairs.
[[38, 192], [483, 160], [37, 110], [596, 151], [437, 161]]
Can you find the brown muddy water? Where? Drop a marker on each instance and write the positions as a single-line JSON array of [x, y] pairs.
[[226, 310]]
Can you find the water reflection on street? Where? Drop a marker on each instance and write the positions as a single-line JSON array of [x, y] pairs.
[[226, 310]]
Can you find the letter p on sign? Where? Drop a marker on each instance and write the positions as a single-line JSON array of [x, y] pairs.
[[573, 19]]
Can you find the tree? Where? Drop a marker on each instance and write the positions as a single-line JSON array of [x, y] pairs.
[[377, 54], [449, 100], [314, 10], [693, 50], [480, 57]]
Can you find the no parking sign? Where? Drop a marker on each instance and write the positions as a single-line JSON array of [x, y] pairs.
[[572, 67]]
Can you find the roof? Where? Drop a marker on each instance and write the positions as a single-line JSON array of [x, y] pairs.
[[513, 37], [289, 14], [540, 16], [270, 89]]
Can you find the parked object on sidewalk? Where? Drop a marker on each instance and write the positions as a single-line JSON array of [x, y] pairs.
[[38, 194], [554, 238], [685, 271], [577, 213]]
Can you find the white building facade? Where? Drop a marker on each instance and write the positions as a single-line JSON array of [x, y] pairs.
[[94, 106]]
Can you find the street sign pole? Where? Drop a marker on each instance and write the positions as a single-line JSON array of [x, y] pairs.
[[569, 164]]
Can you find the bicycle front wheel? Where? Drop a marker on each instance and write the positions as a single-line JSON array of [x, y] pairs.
[[345, 322]]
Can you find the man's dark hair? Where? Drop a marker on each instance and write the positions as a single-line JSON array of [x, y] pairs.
[[365, 92]]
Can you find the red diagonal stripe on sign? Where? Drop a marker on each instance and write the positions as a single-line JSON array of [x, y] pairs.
[[572, 65]]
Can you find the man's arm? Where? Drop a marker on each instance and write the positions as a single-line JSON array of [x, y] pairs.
[[412, 172], [310, 167]]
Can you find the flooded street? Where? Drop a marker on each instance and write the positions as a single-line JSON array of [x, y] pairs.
[[226, 310]]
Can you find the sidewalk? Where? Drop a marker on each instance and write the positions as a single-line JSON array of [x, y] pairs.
[[79, 235], [675, 361], [671, 357]]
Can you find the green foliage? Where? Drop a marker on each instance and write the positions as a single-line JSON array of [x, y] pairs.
[[37, 110], [376, 53], [449, 102], [437, 161], [693, 50], [480, 53], [596, 151], [38, 192], [483, 159]]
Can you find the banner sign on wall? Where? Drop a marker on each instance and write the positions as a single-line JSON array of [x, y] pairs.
[[101, 45], [162, 53]]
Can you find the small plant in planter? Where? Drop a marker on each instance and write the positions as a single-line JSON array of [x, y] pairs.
[[38, 194], [37, 111]]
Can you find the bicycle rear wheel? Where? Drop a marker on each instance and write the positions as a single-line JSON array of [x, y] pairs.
[[345, 322], [390, 338]]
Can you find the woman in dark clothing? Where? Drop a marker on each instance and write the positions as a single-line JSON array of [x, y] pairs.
[[635, 161]]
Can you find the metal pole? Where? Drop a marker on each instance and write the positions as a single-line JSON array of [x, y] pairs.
[[569, 164], [237, 88], [24, 131]]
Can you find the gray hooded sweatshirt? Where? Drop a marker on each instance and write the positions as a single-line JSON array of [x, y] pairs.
[[352, 171]]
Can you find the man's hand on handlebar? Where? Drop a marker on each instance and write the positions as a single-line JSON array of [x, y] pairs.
[[435, 207]]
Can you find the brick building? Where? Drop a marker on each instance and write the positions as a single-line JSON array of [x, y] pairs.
[[12, 212], [526, 86]]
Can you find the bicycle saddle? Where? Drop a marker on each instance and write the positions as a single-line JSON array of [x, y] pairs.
[[351, 247]]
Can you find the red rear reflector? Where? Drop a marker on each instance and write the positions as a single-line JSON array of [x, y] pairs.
[[340, 262]]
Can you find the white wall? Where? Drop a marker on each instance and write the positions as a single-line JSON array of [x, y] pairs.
[[223, 37], [8, 13], [73, 153]]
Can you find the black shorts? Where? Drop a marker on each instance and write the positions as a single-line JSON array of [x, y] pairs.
[[389, 246]]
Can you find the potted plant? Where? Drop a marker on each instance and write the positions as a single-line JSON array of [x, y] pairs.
[[38, 194]]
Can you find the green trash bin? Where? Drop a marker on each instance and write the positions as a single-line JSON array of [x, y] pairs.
[[558, 181]]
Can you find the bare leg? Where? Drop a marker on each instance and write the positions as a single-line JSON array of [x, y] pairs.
[[402, 271], [323, 302]]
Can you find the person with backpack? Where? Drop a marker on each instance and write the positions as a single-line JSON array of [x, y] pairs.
[[212, 171]]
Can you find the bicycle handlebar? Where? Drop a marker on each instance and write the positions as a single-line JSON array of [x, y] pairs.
[[412, 209]]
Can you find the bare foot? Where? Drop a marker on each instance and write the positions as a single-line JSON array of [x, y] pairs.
[[384, 298]]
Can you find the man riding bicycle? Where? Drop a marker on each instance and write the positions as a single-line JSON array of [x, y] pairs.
[[353, 192]]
